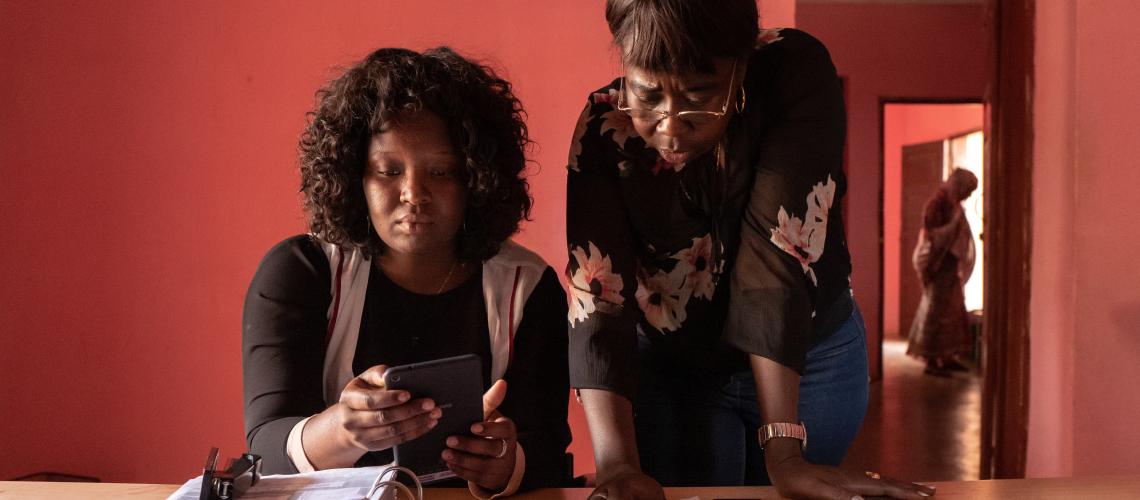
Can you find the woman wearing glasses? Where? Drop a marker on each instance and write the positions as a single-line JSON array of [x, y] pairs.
[[713, 327]]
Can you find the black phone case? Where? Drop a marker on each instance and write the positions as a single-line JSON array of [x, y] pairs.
[[456, 386]]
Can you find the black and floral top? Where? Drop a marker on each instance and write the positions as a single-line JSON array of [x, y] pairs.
[[651, 243]]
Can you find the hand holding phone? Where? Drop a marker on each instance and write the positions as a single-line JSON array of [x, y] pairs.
[[454, 384], [368, 417], [375, 417], [487, 458]]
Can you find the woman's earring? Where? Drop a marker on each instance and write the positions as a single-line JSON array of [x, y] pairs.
[[742, 101]]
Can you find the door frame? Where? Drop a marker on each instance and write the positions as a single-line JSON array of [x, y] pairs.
[[1008, 123], [1010, 26]]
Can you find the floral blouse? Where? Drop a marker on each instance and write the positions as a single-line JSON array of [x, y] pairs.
[[711, 259]]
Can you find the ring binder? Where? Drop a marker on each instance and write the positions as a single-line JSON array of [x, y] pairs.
[[386, 487]]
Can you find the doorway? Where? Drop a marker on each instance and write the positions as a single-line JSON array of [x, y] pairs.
[[922, 141], [958, 50]]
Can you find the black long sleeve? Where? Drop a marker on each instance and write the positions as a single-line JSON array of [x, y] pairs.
[[283, 333], [651, 243], [538, 385], [283, 349]]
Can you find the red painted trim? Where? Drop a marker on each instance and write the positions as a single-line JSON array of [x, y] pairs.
[[511, 319], [336, 299]]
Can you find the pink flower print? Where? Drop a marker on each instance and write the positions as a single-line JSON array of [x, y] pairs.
[[576, 141], [699, 268], [768, 36], [660, 299], [617, 121], [609, 97], [620, 123], [593, 281], [805, 239], [787, 238]]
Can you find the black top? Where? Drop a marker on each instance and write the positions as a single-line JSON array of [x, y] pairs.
[[408, 327], [283, 348], [649, 242]]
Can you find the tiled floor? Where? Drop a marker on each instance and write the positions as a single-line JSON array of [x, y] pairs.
[[919, 427]]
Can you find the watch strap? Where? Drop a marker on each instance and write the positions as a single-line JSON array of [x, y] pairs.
[[783, 429]]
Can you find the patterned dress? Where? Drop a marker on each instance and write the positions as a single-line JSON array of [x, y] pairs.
[[712, 259], [943, 259]]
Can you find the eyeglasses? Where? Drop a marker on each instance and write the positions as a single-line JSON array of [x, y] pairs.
[[695, 118]]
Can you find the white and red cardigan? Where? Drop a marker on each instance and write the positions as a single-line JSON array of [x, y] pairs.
[[508, 280]]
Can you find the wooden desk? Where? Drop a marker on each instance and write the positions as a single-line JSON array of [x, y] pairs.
[[1036, 489]]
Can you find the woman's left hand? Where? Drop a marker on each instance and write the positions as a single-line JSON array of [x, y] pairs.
[[487, 458], [796, 478]]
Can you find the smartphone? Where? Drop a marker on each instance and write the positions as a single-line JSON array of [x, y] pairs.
[[456, 386]]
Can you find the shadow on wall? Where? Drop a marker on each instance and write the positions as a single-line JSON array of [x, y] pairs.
[[1126, 317]]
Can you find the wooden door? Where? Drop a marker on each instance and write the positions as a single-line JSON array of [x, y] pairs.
[[921, 175]]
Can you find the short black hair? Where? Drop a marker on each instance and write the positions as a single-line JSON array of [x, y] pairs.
[[485, 122], [682, 35]]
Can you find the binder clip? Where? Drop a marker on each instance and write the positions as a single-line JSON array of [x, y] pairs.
[[242, 473]]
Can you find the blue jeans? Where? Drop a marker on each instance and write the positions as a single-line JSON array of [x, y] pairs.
[[697, 434]]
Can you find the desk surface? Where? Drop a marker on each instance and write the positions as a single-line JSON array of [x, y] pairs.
[[1044, 489]]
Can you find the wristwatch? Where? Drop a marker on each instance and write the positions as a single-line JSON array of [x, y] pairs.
[[783, 429]]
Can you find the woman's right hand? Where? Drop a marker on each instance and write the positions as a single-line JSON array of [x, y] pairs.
[[368, 417]]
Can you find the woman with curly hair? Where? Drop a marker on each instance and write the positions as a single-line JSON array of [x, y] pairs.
[[412, 175]]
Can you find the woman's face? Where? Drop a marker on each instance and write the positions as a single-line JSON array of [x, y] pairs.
[[676, 139], [415, 194]]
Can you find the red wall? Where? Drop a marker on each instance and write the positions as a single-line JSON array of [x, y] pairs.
[[1085, 302], [149, 160], [777, 13], [906, 124], [890, 50], [148, 153]]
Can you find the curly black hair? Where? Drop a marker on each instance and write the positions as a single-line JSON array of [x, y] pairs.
[[485, 123]]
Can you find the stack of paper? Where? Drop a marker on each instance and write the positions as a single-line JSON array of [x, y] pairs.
[[330, 484]]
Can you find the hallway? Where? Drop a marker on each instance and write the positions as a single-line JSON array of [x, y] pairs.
[[919, 427]]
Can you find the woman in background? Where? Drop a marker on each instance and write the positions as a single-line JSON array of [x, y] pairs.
[[411, 170], [944, 259]]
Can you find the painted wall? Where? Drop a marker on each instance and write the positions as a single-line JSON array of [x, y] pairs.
[[777, 13], [890, 50], [906, 124], [1085, 305], [148, 152]]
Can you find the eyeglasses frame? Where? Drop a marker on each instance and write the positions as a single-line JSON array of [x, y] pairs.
[[662, 115]]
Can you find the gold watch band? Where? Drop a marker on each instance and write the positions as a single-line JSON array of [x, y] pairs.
[[783, 429]]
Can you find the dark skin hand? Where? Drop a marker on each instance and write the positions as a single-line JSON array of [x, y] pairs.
[[610, 419], [619, 473], [488, 458], [368, 417], [793, 476]]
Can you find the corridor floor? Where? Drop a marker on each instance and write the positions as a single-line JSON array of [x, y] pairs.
[[919, 427]]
